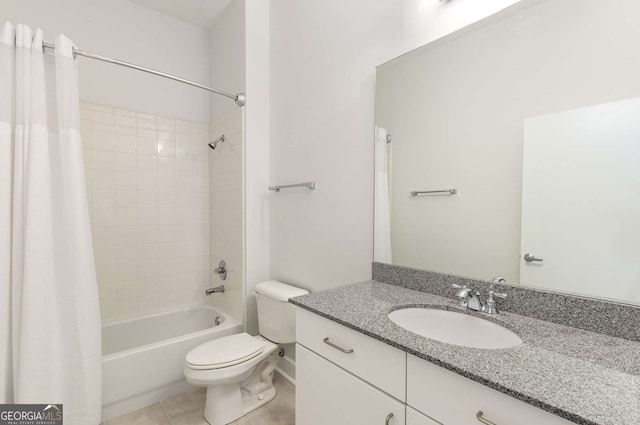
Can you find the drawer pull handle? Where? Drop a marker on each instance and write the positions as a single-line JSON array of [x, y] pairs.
[[388, 420], [337, 347], [483, 420]]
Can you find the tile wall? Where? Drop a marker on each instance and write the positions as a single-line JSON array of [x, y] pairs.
[[148, 186], [227, 213]]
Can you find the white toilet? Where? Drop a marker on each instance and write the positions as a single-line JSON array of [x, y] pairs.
[[238, 369]]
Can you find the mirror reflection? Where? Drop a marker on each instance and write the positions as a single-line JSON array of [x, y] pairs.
[[532, 117]]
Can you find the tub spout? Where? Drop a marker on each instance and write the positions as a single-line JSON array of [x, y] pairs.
[[214, 290]]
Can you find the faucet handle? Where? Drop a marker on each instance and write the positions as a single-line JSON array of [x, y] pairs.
[[456, 286], [493, 293], [491, 306], [497, 294]]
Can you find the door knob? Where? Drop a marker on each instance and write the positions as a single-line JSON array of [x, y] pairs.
[[529, 258]]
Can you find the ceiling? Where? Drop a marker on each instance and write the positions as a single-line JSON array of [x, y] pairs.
[[201, 13]]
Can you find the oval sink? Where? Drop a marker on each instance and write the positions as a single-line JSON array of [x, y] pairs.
[[454, 328]]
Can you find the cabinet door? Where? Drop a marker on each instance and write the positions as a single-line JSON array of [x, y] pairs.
[[327, 394], [416, 418]]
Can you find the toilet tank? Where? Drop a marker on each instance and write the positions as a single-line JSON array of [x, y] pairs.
[[276, 317]]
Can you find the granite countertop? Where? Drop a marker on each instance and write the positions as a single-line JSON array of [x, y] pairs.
[[585, 377]]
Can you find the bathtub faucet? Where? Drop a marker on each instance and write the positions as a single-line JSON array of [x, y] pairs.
[[214, 290]]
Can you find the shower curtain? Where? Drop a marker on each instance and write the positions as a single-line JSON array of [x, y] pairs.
[[50, 350], [382, 214]]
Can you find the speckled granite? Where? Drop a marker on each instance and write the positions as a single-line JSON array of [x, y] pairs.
[[606, 317], [585, 377]]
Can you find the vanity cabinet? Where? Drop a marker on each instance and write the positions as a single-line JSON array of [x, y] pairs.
[[346, 377]]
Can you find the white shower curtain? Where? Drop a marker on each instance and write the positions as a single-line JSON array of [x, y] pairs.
[[50, 350], [382, 214]]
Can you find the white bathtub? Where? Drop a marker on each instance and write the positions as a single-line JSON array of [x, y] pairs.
[[143, 357]]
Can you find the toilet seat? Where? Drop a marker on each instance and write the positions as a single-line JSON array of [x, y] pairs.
[[224, 352]]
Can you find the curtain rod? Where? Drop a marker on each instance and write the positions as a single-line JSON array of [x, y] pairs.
[[239, 98]]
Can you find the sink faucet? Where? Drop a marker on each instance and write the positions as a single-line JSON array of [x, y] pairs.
[[470, 298], [214, 290]]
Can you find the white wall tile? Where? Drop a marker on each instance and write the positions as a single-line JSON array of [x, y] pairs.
[[167, 182], [166, 166], [146, 146], [126, 161], [101, 140], [104, 217], [167, 148], [148, 199], [124, 121], [103, 179], [146, 164], [137, 198], [104, 236], [167, 200], [147, 181], [102, 117], [126, 180], [127, 198], [125, 143], [184, 150], [104, 198]]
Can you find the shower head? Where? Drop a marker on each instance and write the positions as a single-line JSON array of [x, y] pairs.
[[213, 144]]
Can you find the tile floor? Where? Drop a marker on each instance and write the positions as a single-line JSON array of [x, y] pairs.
[[187, 408]]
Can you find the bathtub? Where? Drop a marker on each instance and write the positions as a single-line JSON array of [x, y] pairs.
[[143, 357]]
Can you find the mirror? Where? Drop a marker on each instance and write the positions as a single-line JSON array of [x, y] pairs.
[[532, 117]]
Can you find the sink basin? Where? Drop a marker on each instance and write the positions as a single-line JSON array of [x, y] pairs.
[[454, 328]]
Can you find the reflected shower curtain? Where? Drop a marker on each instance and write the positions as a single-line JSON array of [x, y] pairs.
[[382, 213], [49, 312]]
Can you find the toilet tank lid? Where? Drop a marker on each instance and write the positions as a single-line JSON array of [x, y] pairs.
[[278, 290]]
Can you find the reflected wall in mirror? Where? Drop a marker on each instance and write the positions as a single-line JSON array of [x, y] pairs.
[[555, 76]]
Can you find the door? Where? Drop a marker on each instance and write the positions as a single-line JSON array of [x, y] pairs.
[[581, 201]]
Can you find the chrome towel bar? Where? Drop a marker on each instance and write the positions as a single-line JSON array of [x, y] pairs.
[[420, 192], [308, 185]]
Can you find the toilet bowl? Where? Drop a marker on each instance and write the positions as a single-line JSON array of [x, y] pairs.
[[238, 369]]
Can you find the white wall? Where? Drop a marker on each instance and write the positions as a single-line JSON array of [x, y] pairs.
[[227, 57], [130, 32], [323, 59], [257, 163]]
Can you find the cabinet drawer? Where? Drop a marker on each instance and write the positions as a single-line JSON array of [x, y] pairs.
[[374, 361], [452, 399], [327, 394]]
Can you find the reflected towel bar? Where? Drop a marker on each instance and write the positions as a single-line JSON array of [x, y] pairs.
[[449, 191], [308, 185]]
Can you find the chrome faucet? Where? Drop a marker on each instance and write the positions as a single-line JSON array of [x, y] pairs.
[[221, 270], [468, 298], [214, 290], [471, 299]]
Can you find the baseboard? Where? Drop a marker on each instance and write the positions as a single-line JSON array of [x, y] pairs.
[[286, 367]]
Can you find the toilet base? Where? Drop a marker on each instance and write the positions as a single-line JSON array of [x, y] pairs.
[[227, 403]]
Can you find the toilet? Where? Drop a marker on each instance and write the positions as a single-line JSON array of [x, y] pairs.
[[238, 369]]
